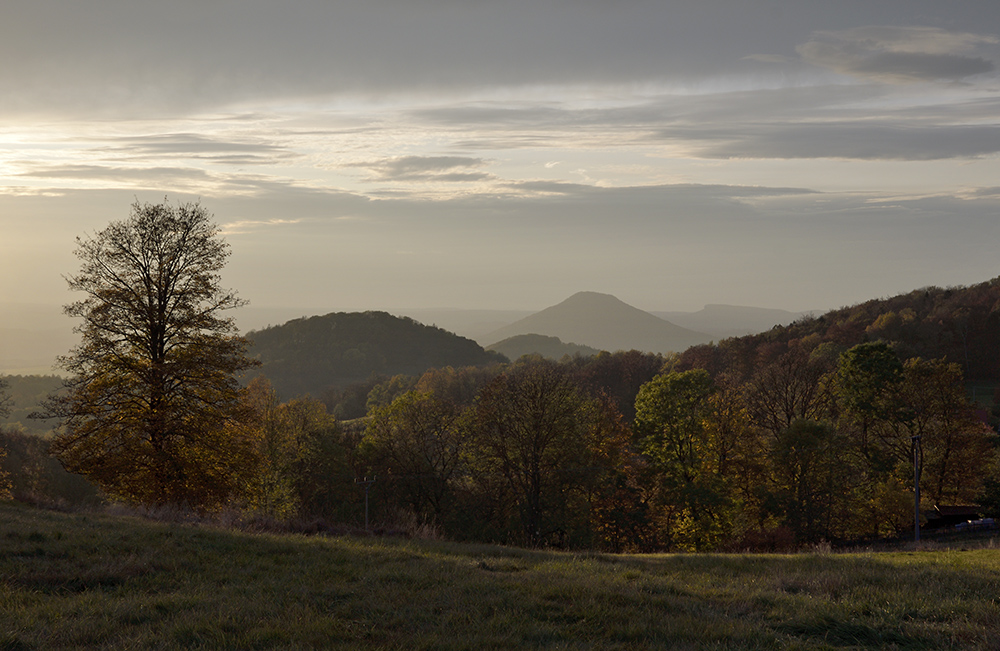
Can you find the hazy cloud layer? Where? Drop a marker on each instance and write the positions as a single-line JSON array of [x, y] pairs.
[[119, 175], [387, 153], [195, 146], [428, 168], [121, 58], [653, 246], [852, 141], [899, 53]]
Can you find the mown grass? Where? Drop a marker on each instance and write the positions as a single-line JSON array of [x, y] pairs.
[[96, 581]]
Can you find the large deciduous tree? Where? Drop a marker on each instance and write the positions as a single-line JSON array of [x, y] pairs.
[[4, 411], [153, 381], [300, 464], [545, 444], [672, 429], [417, 444], [789, 389]]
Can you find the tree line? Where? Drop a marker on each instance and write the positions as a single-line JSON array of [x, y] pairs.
[[807, 448], [723, 447]]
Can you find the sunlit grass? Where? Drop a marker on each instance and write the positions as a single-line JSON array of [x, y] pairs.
[[98, 581]]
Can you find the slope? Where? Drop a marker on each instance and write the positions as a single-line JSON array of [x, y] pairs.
[[89, 580], [551, 347], [604, 322], [310, 355], [961, 324]]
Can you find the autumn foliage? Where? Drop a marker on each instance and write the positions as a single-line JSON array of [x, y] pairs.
[[795, 436]]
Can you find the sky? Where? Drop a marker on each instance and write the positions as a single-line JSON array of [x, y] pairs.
[[393, 154]]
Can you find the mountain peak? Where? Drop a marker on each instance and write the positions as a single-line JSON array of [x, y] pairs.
[[593, 298], [605, 322]]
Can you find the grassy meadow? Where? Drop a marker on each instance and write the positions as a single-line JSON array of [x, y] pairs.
[[101, 581]]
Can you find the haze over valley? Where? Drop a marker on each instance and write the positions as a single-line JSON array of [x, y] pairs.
[[32, 335]]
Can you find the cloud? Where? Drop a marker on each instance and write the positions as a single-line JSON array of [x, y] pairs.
[[116, 174], [195, 146], [153, 59], [860, 122], [657, 247], [898, 54], [848, 140], [250, 225], [170, 179], [768, 58], [428, 168]]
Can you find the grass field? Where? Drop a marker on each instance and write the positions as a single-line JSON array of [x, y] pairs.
[[97, 581]]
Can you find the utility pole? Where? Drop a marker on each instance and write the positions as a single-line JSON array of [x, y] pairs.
[[916, 487], [367, 484]]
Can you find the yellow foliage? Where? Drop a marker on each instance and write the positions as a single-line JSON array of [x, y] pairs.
[[4, 478]]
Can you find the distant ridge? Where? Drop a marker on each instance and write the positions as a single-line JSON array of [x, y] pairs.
[[551, 347], [723, 321], [604, 322]]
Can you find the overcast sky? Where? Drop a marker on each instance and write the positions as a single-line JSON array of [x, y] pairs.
[[389, 154]]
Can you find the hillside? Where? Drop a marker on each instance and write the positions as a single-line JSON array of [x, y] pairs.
[[89, 580], [26, 394], [961, 324], [310, 355], [606, 323], [551, 347], [471, 323]]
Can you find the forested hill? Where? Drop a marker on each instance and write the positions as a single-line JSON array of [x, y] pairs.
[[961, 324], [310, 355]]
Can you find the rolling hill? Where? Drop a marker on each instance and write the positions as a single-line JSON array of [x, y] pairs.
[[311, 355], [960, 324], [604, 322]]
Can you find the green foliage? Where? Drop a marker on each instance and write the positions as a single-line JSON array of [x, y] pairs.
[[300, 462], [868, 377], [460, 386], [384, 393], [812, 481], [417, 447], [669, 422], [543, 442], [671, 426]]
